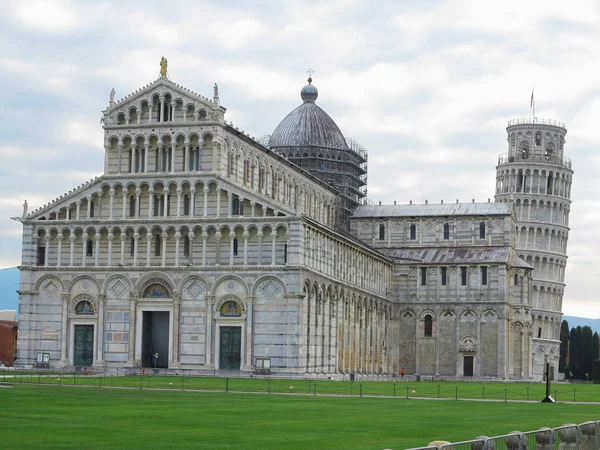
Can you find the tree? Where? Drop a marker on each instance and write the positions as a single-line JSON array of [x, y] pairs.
[[564, 346], [587, 352], [596, 345]]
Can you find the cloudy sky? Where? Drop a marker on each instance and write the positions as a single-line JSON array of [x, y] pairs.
[[426, 86]]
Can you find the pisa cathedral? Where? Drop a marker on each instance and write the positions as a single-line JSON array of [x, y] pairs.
[[201, 248]]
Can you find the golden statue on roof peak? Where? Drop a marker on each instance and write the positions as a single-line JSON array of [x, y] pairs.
[[163, 67]]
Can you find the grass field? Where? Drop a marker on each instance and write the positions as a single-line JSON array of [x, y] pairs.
[[65, 417], [464, 390]]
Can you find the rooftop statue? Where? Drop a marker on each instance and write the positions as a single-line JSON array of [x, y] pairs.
[[163, 67]]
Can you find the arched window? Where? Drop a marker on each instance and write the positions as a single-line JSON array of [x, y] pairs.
[[524, 147], [423, 276], [186, 246], [186, 205], [132, 206], [516, 279], [131, 246], [413, 232], [549, 184], [235, 247], [428, 326], [481, 230], [381, 232], [235, 207], [157, 245], [446, 231], [89, 248], [92, 209]]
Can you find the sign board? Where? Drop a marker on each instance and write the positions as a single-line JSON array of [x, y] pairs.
[[43, 360]]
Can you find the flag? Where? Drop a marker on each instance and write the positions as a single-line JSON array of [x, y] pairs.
[[531, 102]]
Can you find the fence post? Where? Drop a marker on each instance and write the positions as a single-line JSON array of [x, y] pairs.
[[406, 391], [39, 378], [315, 389], [438, 391], [394, 389], [75, 377], [483, 392], [555, 398], [456, 398], [21, 377], [505, 395], [141, 381], [574, 395], [100, 385], [111, 380], [361, 390], [182, 382], [226, 384], [527, 392]]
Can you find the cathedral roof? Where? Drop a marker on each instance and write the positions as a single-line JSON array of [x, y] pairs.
[[456, 255], [308, 126], [432, 210]]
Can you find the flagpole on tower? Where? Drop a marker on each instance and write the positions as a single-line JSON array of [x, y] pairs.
[[532, 103]]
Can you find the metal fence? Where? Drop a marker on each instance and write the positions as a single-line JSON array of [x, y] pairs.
[[585, 436]]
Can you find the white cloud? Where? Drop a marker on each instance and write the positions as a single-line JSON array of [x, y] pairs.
[[426, 86]]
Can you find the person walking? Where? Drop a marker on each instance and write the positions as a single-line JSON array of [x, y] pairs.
[[402, 372]]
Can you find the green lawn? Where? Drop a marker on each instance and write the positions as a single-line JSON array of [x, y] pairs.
[[34, 416], [437, 389]]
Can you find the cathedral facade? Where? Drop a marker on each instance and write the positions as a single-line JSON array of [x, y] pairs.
[[200, 248]]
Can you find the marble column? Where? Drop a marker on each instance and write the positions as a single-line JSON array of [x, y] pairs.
[[99, 362], [110, 249], [165, 236], [59, 238], [111, 204], [174, 363], [64, 358], [249, 333], [131, 347], [210, 300]]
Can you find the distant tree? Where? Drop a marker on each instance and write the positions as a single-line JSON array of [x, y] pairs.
[[575, 352], [564, 346], [587, 351], [596, 339]]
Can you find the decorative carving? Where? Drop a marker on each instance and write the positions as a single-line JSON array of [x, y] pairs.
[[231, 286], [117, 289], [194, 289], [467, 344], [86, 285], [489, 316], [269, 289], [429, 224], [407, 315], [448, 316], [365, 227], [468, 316], [50, 288]]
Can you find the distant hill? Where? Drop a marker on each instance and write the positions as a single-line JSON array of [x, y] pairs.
[[9, 283], [575, 322]]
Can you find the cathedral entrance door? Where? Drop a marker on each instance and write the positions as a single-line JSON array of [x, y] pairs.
[[468, 366], [230, 348], [155, 339], [84, 345]]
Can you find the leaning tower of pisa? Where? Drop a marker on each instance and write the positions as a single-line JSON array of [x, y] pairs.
[[536, 176]]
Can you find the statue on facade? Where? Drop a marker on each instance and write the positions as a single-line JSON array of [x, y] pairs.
[[112, 95], [25, 206], [163, 67], [216, 90]]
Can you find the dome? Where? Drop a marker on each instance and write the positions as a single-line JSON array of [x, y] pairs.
[[308, 126]]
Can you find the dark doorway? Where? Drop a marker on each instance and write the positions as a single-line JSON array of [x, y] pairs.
[[230, 348], [84, 345], [155, 339], [468, 366]]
